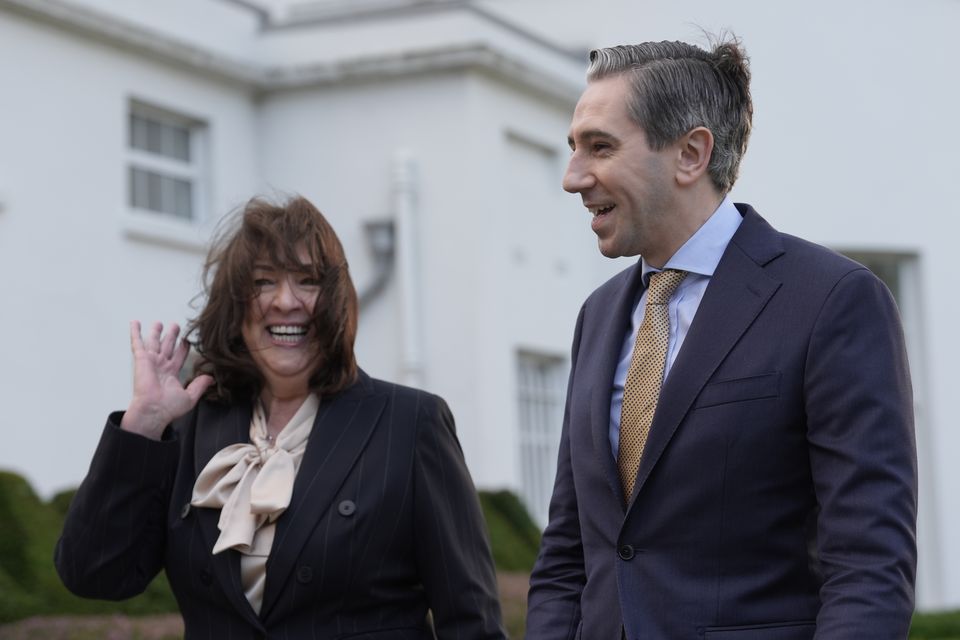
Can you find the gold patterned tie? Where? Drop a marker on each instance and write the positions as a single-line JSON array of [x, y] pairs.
[[642, 387]]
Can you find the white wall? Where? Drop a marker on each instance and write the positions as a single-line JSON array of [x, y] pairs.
[[72, 278]]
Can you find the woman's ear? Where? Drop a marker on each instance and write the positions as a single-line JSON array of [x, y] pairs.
[[696, 149]]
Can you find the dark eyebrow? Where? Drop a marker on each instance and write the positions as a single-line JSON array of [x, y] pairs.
[[593, 134]]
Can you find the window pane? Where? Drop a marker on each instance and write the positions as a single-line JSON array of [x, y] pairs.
[[162, 138], [157, 192], [182, 205], [138, 189], [541, 380], [138, 132], [179, 140]]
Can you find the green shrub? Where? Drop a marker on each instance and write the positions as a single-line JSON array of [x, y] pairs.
[[29, 529], [944, 625], [513, 535]]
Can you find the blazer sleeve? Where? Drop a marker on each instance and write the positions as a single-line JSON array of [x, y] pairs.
[[553, 603], [452, 550], [114, 534], [863, 460]]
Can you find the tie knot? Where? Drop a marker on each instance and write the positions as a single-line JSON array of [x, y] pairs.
[[663, 284]]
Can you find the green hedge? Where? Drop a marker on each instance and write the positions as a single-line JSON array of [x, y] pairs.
[[936, 626], [513, 535], [29, 529]]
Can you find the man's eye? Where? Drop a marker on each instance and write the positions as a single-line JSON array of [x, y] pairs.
[[600, 146]]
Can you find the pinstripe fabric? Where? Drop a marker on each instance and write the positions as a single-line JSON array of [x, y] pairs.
[[383, 525]]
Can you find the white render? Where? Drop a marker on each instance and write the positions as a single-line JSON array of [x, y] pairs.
[[448, 118]]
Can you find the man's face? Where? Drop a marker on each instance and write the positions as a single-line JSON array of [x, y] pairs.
[[628, 188]]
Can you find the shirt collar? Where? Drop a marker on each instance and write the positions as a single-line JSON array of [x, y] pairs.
[[702, 251]]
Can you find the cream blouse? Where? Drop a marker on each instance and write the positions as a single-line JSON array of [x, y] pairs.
[[251, 483]]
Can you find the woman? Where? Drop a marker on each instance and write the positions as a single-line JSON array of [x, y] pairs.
[[285, 493]]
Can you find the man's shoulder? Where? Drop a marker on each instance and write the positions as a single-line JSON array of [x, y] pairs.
[[787, 252]]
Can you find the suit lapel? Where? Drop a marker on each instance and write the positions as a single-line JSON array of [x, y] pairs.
[[737, 293], [608, 347], [340, 432], [219, 427]]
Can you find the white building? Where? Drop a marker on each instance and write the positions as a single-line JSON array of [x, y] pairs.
[[129, 127]]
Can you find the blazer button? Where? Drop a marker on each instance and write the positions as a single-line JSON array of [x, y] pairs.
[[206, 578], [347, 508], [304, 574], [185, 510], [625, 552]]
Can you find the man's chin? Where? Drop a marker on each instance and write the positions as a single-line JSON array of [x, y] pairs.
[[609, 250]]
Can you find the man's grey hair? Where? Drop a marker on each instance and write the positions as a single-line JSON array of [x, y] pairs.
[[675, 87]]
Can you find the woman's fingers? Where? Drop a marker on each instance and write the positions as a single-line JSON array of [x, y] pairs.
[[163, 344], [152, 343], [169, 342], [136, 340]]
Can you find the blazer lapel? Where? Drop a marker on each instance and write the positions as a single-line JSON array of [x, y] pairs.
[[340, 432], [612, 333], [737, 293], [219, 427]]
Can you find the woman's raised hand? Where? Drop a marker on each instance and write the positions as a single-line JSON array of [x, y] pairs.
[[158, 396]]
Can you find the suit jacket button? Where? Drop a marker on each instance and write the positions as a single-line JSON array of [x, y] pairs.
[[625, 552], [206, 578], [304, 574], [347, 508], [185, 510]]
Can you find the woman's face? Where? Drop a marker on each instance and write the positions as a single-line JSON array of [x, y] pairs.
[[278, 325]]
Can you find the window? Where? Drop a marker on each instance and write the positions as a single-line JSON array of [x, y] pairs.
[[541, 384], [165, 152]]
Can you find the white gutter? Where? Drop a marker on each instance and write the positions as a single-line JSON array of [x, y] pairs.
[[408, 268]]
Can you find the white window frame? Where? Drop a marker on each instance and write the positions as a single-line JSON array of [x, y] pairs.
[[158, 226], [541, 394]]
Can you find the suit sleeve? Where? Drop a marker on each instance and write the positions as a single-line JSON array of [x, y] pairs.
[[114, 534], [553, 604], [453, 553], [863, 459]]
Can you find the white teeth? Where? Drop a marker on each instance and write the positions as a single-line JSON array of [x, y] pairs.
[[601, 210], [287, 330]]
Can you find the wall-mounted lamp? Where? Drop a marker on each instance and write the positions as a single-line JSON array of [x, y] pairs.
[[382, 242]]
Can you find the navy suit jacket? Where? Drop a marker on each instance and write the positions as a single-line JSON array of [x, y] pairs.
[[776, 497], [383, 524]]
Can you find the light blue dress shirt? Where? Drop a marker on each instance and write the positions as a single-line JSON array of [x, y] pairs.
[[698, 256]]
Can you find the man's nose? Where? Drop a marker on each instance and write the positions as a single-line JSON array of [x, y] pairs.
[[577, 178]]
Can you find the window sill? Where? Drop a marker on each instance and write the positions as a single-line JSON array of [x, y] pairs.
[[157, 228]]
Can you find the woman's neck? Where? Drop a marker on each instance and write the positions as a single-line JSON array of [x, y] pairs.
[[279, 406]]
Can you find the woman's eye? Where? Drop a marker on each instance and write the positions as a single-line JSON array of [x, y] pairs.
[[310, 282], [262, 282]]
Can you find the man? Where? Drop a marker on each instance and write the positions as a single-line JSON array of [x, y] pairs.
[[737, 458]]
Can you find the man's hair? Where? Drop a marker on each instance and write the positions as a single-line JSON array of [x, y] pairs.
[[675, 87], [274, 233]]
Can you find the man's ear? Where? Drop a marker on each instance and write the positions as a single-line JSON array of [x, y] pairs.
[[695, 151]]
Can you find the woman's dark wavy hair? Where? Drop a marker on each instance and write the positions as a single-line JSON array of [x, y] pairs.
[[275, 232]]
